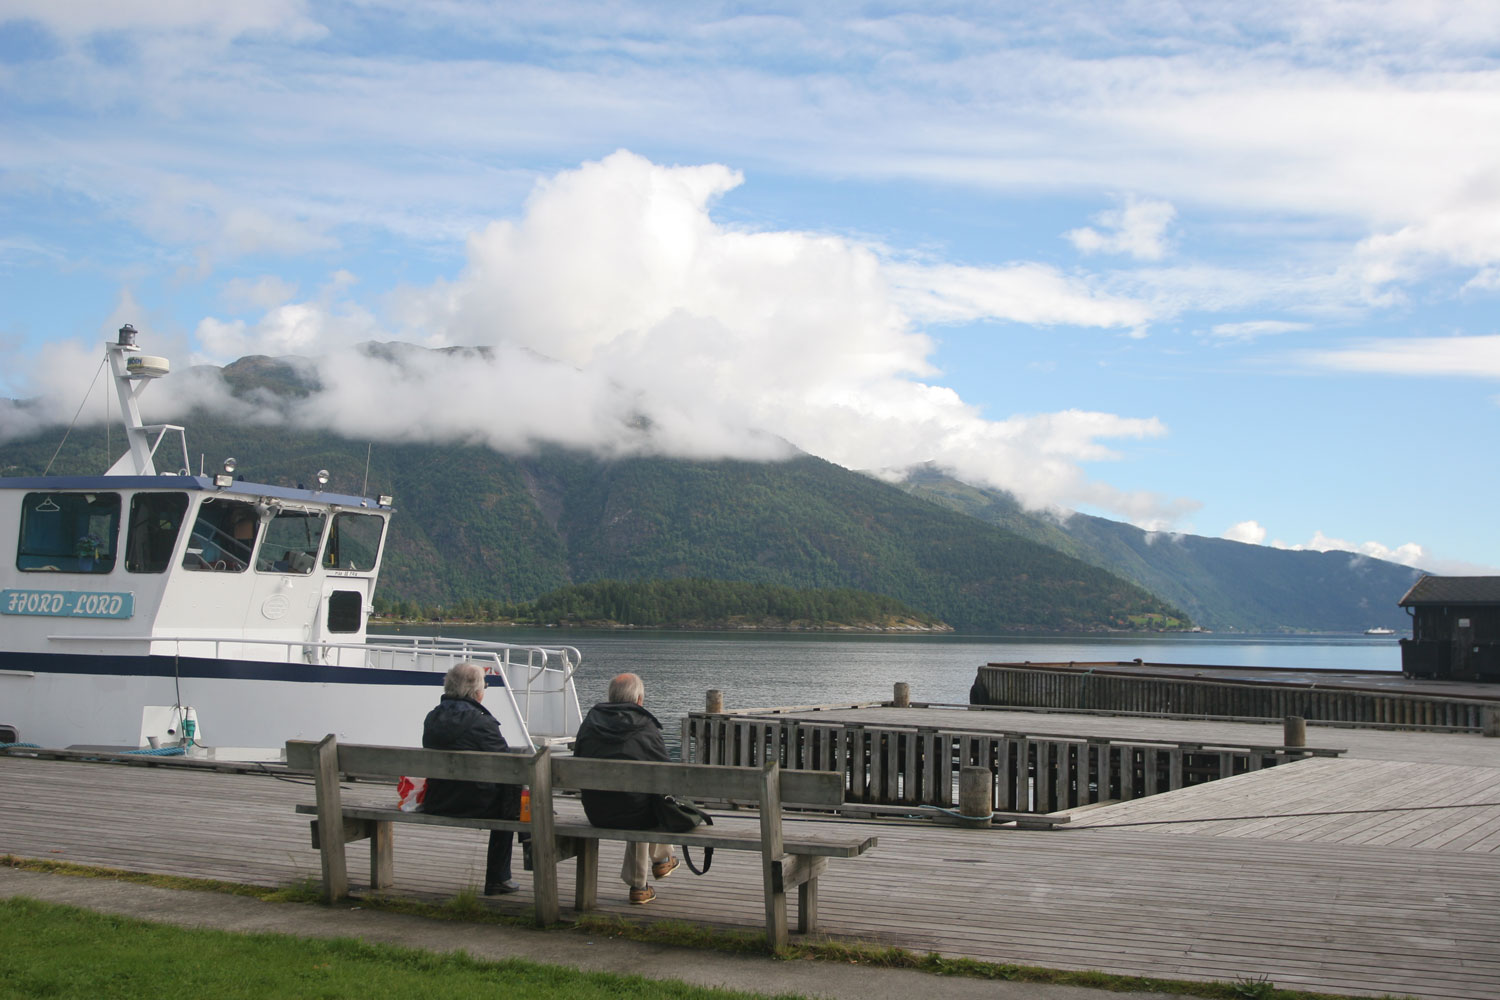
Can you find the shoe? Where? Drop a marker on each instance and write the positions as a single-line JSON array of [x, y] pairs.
[[642, 896], [664, 868], [502, 888]]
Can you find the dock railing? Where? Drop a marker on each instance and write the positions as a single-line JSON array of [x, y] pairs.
[[920, 766]]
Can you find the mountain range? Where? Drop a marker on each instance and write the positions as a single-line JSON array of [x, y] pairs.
[[477, 524]]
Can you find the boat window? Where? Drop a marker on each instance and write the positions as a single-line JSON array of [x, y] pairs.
[[345, 611], [68, 532], [155, 521], [223, 537], [354, 542], [291, 542]]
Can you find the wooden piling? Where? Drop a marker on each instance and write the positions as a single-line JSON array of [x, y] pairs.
[[903, 695], [714, 702], [1294, 729], [975, 796]]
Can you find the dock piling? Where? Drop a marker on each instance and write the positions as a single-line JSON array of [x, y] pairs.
[[902, 697], [975, 796], [714, 702], [1294, 728]]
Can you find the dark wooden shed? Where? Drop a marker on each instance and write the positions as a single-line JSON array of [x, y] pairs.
[[1455, 628]]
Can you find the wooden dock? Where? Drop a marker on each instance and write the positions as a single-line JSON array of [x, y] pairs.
[[1376, 872], [1365, 697]]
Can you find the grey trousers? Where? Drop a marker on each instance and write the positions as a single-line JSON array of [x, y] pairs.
[[638, 860]]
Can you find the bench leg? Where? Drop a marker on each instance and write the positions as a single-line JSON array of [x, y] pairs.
[[382, 855], [807, 906], [586, 887], [330, 821]]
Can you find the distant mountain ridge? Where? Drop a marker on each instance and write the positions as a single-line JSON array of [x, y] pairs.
[[477, 524], [1221, 584]]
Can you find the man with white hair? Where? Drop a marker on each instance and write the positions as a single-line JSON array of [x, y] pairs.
[[622, 729], [461, 722]]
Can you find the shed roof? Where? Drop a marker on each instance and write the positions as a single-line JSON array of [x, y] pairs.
[[1453, 590]]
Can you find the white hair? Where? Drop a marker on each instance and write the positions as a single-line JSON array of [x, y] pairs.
[[464, 681]]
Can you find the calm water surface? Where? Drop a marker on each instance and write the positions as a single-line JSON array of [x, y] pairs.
[[761, 670]]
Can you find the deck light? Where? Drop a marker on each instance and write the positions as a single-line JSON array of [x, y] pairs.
[[385, 500], [223, 480], [322, 477]]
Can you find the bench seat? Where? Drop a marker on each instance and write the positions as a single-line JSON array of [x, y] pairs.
[[785, 862]]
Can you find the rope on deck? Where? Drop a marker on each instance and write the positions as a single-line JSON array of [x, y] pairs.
[[954, 812], [155, 752]]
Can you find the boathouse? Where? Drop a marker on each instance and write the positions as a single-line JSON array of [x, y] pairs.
[[1455, 628]]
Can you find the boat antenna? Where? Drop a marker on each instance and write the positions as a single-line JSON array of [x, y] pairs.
[[364, 490], [74, 421]]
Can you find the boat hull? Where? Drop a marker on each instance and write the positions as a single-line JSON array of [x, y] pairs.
[[58, 701]]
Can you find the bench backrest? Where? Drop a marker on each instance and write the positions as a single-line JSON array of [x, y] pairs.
[[458, 765], [693, 781]]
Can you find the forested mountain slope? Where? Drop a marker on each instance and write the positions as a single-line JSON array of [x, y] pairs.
[[1221, 584]]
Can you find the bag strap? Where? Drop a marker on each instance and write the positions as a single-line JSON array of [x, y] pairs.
[[708, 860]]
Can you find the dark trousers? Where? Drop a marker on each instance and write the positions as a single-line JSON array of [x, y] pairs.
[[497, 858]]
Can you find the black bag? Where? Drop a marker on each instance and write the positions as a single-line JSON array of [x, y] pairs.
[[679, 817], [684, 817]]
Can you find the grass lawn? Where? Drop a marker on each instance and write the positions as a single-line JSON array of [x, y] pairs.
[[50, 951]]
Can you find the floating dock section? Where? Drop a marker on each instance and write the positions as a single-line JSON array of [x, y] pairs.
[[1355, 697]]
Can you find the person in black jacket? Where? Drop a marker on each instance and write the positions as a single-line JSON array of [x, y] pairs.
[[622, 729], [460, 722]]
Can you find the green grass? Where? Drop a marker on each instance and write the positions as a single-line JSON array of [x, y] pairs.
[[466, 907], [62, 953]]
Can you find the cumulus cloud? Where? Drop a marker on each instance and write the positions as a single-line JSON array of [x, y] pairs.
[[1249, 532], [1408, 554], [1138, 228], [616, 314]]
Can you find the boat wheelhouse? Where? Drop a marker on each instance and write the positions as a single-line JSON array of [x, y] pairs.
[[219, 617]]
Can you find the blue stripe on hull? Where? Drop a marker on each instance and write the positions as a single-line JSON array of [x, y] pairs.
[[193, 666]]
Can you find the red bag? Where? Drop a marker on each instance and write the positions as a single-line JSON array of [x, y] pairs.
[[410, 793]]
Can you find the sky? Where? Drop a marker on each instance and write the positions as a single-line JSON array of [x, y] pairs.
[[1220, 268]]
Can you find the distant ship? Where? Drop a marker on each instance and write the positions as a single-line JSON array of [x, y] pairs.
[[1380, 631]]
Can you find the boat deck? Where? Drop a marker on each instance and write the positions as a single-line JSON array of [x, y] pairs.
[[1378, 872]]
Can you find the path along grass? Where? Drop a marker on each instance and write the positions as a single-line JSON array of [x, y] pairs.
[[65, 953]]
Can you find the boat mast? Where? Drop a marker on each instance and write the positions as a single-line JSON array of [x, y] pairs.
[[132, 374]]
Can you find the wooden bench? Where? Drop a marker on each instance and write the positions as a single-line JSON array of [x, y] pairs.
[[785, 862]]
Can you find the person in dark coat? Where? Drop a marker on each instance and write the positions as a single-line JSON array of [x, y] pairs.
[[622, 729], [461, 722]]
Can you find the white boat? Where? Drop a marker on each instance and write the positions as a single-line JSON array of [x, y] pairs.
[[175, 613], [1378, 630]]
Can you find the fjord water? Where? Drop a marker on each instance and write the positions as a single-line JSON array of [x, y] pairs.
[[762, 670]]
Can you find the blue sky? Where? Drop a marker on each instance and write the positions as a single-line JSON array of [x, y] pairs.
[[1220, 268]]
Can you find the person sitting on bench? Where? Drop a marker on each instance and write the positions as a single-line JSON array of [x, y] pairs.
[[460, 722], [622, 729]]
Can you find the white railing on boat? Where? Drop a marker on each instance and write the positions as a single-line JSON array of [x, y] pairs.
[[521, 666]]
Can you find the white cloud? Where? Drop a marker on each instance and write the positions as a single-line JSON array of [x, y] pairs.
[[1035, 294], [1408, 554], [1254, 329], [1138, 228], [674, 333], [1473, 357], [1249, 532], [77, 18], [265, 292]]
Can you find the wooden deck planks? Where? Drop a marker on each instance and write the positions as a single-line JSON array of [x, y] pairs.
[[1416, 913]]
